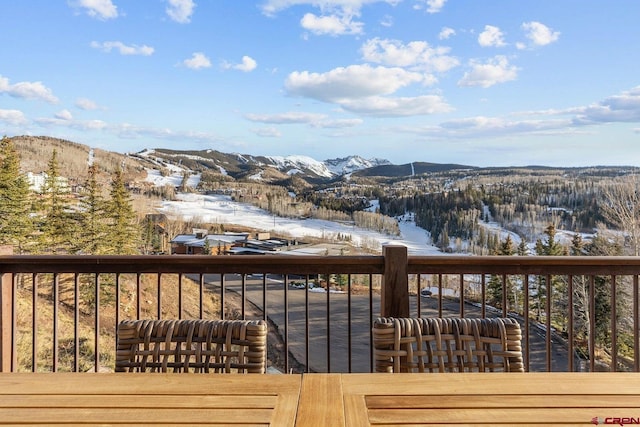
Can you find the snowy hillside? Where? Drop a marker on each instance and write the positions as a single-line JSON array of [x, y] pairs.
[[300, 163], [347, 165], [239, 165], [221, 209]]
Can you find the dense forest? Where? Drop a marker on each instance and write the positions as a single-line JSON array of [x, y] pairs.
[[522, 204]]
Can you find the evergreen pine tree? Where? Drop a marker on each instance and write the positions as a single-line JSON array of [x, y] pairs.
[[494, 287], [558, 286], [58, 223], [206, 249], [122, 233], [522, 248], [92, 230], [507, 247], [16, 226], [577, 245], [552, 247]]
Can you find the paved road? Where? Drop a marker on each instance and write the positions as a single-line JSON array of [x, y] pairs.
[[331, 311]]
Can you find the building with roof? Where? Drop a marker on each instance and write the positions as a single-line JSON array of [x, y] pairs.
[[200, 243]]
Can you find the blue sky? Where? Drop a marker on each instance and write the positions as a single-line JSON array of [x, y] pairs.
[[484, 83]]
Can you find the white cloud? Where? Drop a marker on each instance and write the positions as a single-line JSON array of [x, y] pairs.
[[491, 37], [617, 108], [355, 81], [267, 132], [101, 9], [435, 6], [446, 32], [397, 106], [361, 89], [197, 61], [12, 117], [296, 117], [481, 126], [413, 54], [432, 6], [143, 50], [387, 21], [292, 117], [27, 90], [83, 125], [248, 64], [540, 34], [333, 25], [86, 104], [272, 7], [180, 10], [494, 71], [476, 123], [129, 131], [336, 16], [338, 123], [91, 125], [64, 115], [622, 108]]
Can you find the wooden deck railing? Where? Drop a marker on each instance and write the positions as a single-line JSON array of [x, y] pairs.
[[58, 313]]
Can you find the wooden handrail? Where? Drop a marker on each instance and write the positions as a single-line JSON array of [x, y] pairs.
[[6, 302], [395, 267], [241, 264], [276, 264], [554, 265]]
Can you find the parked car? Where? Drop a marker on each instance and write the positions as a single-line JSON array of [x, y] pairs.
[[425, 293]]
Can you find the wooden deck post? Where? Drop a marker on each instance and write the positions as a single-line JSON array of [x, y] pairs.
[[395, 282], [6, 320]]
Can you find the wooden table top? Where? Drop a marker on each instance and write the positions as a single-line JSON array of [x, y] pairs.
[[475, 399], [489, 399], [148, 399]]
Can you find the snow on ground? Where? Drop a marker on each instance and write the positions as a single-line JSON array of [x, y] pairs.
[[495, 228], [564, 237], [221, 209], [174, 179]]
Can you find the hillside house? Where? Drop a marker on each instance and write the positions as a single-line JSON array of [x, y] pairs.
[[37, 181], [200, 243]]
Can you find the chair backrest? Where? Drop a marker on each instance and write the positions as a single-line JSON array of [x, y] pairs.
[[192, 346], [447, 345]]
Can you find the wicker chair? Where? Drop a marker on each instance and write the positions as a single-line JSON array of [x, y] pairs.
[[447, 345], [223, 346]]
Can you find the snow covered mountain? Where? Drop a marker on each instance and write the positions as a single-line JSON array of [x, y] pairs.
[[347, 165], [299, 164], [243, 165]]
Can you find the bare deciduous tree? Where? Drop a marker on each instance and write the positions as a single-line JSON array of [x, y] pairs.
[[621, 208]]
